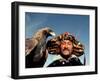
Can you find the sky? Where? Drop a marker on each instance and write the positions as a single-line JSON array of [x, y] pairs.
[[77, 25]]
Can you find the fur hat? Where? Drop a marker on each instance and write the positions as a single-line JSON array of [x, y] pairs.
[[53, 45]]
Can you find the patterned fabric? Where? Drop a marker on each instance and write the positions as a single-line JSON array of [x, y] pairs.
[[72, 61]]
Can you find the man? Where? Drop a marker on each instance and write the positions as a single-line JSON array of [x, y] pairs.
[[67, 50]]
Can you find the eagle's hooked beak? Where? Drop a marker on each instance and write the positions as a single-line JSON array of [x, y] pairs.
[[52, 33]]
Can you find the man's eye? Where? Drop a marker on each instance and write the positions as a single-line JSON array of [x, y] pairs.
[[69, 43]]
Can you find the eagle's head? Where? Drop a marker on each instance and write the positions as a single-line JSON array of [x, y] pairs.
[[48, 32], [43, 33]]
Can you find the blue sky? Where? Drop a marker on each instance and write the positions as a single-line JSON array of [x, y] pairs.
[[77, 25]]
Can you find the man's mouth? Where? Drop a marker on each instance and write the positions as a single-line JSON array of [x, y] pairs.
[[65, 49]]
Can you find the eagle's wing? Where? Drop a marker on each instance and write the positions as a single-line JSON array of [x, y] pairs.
[[29, 45]]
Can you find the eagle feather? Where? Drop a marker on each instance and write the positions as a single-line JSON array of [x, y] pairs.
[[35, 47]]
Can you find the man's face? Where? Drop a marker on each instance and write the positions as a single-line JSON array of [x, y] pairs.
[[66, 47]]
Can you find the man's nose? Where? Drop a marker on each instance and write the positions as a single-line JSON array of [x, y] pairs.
[[64, 46]]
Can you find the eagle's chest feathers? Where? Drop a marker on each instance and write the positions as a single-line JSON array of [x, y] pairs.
[[41, 44]]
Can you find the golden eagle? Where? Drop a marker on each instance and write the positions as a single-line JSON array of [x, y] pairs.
[[35, 48]]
